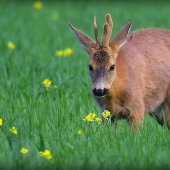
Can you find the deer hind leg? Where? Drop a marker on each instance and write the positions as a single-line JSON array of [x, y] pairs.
[[166, 109], [162, 114]]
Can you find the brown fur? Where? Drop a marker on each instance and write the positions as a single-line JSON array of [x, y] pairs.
[[140, 82]]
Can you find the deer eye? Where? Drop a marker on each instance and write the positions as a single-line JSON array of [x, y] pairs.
[[90, 68], [112, 67]]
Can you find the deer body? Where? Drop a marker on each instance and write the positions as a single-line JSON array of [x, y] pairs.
[[131, 73], [142, 75]]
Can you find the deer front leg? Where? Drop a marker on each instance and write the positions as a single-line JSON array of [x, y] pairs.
[[136, 118]]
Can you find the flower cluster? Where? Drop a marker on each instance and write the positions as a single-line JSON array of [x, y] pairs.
[[106, 114], [47, 84], [13, 130], [46, 154], [90, 118], [65, 53], [24, 150], [11, 45], [37, 5], [80, 132]]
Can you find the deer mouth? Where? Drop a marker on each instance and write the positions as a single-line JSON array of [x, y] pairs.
[[100, 93], [100, 96]]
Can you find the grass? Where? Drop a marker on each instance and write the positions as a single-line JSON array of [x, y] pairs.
[[50, 120]]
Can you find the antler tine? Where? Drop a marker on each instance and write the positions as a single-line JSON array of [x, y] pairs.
[[96, 33], [107, 30]]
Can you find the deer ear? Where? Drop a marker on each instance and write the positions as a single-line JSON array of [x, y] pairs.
[[84, 40], [120, 38]]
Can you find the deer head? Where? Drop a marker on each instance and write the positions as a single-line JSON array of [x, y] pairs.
[[102, 55]]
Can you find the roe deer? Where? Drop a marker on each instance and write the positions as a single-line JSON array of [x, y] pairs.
[[130, 74]]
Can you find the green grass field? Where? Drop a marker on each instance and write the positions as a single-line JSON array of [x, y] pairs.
[[50, 118]]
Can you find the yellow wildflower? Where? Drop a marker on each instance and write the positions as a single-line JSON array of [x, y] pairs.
[[59, 53], [11, 45], [98, 120], [41, 153], [46, 154], [13, 130], [0, 121], [24, 150], [80, 132], [67, 52], [106, 114], [55, 16], [37, 4], [55, 87], [46, 83], [90, 117]]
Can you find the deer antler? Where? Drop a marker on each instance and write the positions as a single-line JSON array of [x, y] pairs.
[[96, 34], [107, 30]]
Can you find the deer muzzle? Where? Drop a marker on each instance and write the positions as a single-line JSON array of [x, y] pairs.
[[100, 92]]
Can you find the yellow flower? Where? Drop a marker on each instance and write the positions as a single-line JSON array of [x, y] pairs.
[[13, 130], [11, 45], [46, 83], [80, 132], [67, 52], [55, 86], [55, 16], [46, 154], [41, 153], [90, 117], [24, 150], [106, 114], [37, 4], [0, 121], [59, 53], [98, 120]]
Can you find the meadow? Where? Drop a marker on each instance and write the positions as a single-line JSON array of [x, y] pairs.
[[36, 44]]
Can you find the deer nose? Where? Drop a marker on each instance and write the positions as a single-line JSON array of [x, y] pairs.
[[100, 92]]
